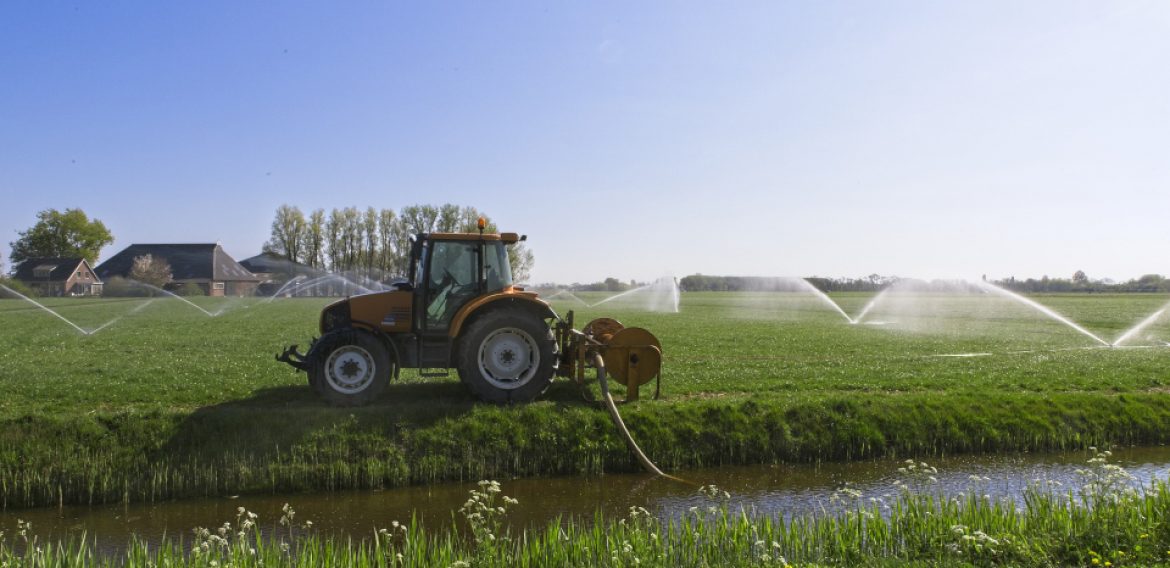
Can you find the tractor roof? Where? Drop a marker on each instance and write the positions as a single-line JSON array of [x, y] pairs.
[[508, 238]]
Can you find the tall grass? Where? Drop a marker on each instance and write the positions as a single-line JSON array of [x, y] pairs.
[[1104, 521]]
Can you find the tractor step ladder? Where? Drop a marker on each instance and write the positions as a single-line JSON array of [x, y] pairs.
[[434, 356]]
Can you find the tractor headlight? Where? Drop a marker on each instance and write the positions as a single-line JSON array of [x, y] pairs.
[[335, 316]]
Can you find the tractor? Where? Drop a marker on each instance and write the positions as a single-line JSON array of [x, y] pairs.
[[460, 310]]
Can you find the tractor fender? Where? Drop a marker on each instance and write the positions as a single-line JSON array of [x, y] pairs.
[[524, 300]]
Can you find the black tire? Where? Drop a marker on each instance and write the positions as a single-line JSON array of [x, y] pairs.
[[351, 368], [507, 356]]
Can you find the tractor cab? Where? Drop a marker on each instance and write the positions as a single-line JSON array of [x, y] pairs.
[[448, 270]]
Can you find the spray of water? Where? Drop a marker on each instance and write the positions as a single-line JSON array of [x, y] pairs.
[[568, 294], [176, 296], [619, 296], [870, 304], [826, 299], [660, 296], [1040, 308], [1133, 331], [285, 286], [46, 308], [318, 283]]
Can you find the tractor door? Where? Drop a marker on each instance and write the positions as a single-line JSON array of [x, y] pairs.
[[450, 280]]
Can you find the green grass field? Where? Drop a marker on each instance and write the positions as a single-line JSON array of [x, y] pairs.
[[167, 401]]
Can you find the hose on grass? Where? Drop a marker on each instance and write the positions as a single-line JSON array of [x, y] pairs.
[[648, 465]]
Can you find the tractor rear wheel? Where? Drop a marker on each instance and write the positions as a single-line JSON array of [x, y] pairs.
[[507, 356], [352, 368]]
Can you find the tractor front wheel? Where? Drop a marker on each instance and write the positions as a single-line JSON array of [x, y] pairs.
[[507, 357], [352, 369]]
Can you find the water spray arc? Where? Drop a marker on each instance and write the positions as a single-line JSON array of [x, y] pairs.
[[875, 300], [47, 309], [660, 296], [1141, 326], [826, 299], [175, 296], [302, 285], [992, 288]]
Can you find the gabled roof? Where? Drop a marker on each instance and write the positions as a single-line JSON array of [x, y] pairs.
[[188, 262], [60, 269], [270, 262]]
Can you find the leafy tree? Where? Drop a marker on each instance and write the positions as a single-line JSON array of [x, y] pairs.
[[57, 234], [521, 260], [419, 218], [389, 243], [288, 233], [150, 270], [314, 239]]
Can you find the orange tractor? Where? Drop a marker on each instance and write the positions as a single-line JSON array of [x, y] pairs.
[[460, 310]]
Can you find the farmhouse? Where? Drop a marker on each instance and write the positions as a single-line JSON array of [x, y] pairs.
[[205, 265], [59, 277]]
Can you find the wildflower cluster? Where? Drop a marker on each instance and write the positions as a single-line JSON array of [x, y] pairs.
[[1105, 481], [977, 543], [917, 474], [393, 542], [485, 511], [769, 555], [717, 498], [226, 541]]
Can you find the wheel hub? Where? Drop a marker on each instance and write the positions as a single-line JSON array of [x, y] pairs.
[[349, 369], [508, 358]]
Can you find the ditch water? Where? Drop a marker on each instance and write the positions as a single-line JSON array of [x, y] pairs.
[[786, 490]]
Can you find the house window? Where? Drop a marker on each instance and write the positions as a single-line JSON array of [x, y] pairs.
[[44, 270], [217, 285]]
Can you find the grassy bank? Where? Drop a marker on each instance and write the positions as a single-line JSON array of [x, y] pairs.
[[1103, 522], [168, 402], [235, 449]]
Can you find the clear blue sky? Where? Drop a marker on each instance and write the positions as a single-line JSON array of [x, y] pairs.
[[627, 139]]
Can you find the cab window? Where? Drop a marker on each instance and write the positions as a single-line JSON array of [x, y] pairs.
[[497, 271], [452, 280]]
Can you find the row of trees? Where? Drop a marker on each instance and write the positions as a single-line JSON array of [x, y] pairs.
[[1078, 283], [1082, 283], [373, 242], [705, 283]]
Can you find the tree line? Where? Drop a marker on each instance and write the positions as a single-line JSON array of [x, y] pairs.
[[707, 283], [1081, 283], [374, 243]]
